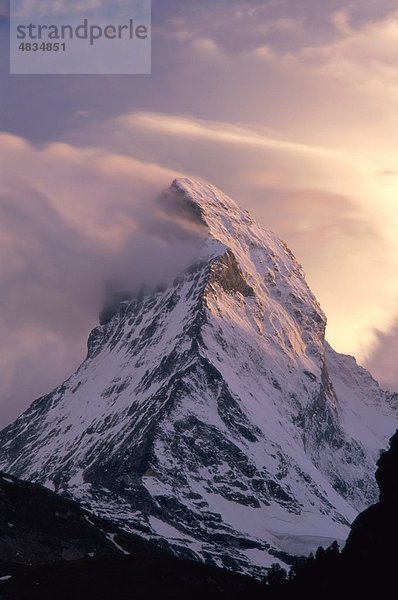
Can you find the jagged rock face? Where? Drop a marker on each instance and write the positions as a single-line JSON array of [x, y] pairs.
[[211, 416]]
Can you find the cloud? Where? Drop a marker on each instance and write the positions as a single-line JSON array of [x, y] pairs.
[[71, 219], [206, 46], [383, 358], [388, 173], [218, 132], [45, 8], [373, 44], [4, 8]]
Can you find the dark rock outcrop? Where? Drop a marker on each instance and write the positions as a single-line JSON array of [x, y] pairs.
[[374, 534]]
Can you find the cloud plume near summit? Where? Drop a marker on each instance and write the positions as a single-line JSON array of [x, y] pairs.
[[71, 220]]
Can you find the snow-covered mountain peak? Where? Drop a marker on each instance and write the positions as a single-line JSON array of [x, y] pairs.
[[208, 414], [223, 219], [227, 222], [257, 257], [213, 205]]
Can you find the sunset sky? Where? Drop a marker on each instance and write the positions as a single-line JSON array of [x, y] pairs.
[[289, 106]]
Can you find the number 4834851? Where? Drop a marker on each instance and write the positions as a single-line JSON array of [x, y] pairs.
[[43, 47]]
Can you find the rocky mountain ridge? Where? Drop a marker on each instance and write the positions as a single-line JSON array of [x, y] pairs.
[[211, 417]]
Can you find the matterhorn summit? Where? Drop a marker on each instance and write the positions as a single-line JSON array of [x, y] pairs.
[[211, 417]]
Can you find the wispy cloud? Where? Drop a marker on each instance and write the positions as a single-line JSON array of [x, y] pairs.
[[220, 132]]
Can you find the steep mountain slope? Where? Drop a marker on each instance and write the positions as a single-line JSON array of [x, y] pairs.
[[210, 416]]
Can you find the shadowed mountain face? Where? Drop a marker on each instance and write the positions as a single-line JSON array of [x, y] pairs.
[[211, 416]]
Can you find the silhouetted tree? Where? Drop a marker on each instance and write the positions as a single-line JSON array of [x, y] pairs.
[[277, 576]]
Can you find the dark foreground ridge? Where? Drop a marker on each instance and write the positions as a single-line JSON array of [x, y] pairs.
[[373, 542], [51, 548], [154, 577]]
